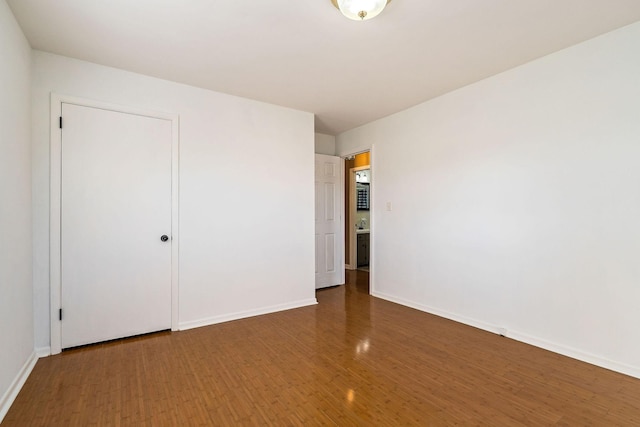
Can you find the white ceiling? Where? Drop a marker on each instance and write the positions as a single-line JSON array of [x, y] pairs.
[[303, 54]]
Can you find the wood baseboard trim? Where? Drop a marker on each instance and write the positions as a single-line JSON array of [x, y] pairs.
[[244, 314], [15, 387]]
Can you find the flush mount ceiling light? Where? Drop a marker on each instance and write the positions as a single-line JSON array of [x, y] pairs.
[[360, 10]]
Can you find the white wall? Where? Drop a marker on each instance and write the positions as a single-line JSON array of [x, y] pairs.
[[325, 144], [246, 199], [516, 202], [16, 303]]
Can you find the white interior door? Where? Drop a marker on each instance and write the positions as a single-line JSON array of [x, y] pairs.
[[116, 205], [329, 172]]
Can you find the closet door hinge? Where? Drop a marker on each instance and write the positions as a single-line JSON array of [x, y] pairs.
[[60, 123], [60, 314]]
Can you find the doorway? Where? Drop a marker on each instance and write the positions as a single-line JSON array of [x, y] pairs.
[[358, 208]]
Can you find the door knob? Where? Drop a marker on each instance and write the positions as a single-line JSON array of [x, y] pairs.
[[164, 238]]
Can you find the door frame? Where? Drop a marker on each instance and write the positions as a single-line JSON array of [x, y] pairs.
[[372, 186], [55, 205]]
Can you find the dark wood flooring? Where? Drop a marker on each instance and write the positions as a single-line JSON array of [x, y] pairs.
[[352, 360]]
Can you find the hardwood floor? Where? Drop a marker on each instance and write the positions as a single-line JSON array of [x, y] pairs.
[[351, 360]]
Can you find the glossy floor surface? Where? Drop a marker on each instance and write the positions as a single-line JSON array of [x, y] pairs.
[[351, 360]]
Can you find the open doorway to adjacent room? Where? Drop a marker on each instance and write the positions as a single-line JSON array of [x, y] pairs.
[[357, 215]]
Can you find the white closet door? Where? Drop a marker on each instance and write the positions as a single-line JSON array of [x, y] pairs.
[[116, 206], [329, 224]]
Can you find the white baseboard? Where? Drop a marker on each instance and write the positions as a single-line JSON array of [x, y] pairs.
[[43, 351], [244, 314], [577, 354], [515, 335], [440, 313], [329, 286], [16, 385]]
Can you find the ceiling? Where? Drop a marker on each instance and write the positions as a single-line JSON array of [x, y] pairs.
[[305, 55]]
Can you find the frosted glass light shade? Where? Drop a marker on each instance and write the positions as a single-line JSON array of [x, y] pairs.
[[360, 10]]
